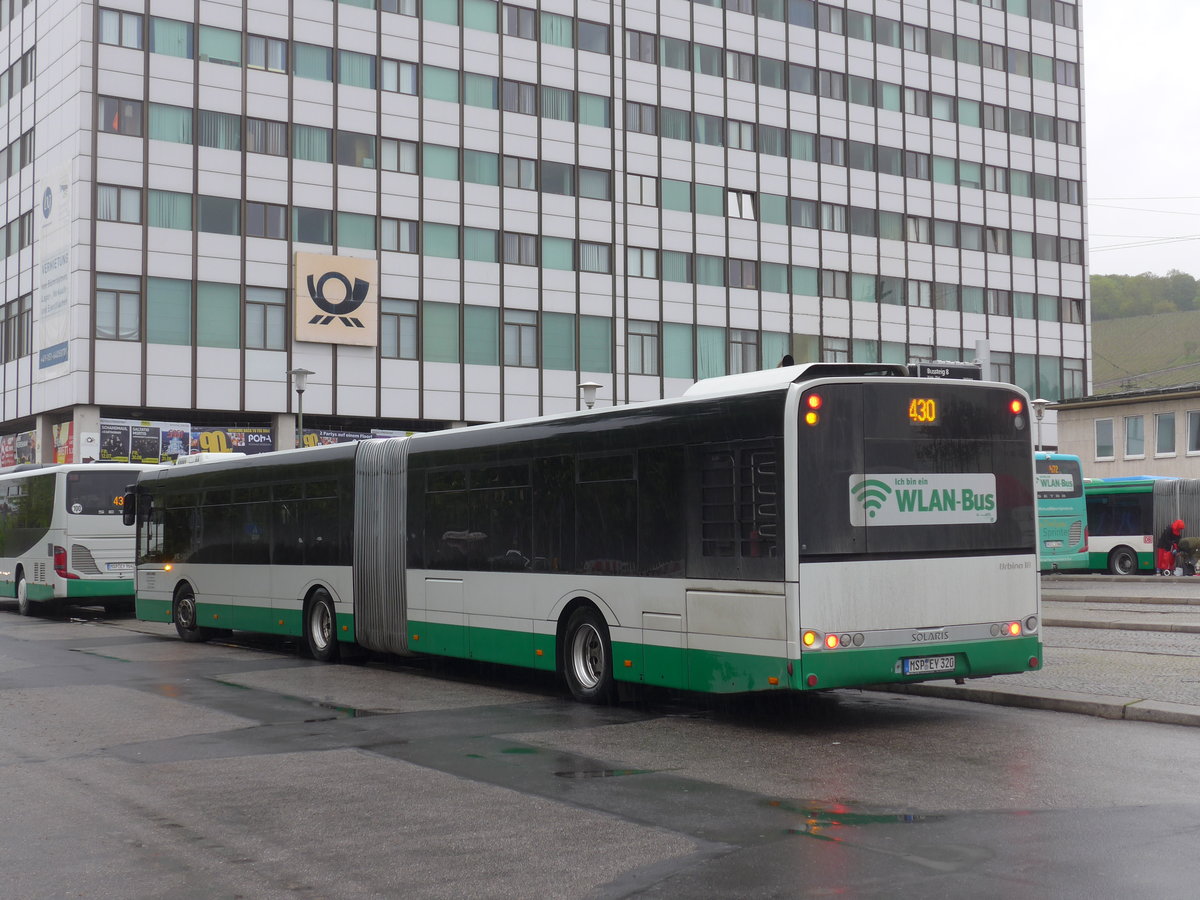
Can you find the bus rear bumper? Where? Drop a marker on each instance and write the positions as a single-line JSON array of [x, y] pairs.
[[850, 667]]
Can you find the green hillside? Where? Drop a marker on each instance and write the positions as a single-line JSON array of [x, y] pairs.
[[1161, 350]]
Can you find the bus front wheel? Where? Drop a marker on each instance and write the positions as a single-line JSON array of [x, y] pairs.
[[183, 612], [25, 606], [587, 657], [320, 627], [1122, 561]]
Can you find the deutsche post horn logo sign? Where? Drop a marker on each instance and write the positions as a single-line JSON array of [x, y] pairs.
[[337, 299]]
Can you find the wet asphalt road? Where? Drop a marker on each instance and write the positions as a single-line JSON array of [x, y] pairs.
[[133, 765]]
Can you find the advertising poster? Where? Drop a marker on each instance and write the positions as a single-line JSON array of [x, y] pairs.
[[128, 440], [64, 442], [233, 440], [52, 270], [16, 449]]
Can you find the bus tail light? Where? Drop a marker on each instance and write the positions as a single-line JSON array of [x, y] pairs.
[[812, 403], [811, 639], [1015, 406], [831, 641], [60, 563], [1013, 629]]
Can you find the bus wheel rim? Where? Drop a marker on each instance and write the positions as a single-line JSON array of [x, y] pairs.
[[187, 612], [587, 656], [321, 625]]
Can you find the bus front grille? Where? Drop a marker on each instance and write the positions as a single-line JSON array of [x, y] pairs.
[[82, 560]]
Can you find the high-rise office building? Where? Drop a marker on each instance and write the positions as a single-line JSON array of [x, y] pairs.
[[460, 210]]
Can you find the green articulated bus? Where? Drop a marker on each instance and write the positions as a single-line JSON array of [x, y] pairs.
[[809, 527]]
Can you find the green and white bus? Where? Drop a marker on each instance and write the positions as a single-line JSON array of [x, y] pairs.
[[809, 527], [1062, 513], [1126, 515], [61, 535]]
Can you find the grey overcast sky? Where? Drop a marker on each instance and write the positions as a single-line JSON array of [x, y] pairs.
[[1142, 110]]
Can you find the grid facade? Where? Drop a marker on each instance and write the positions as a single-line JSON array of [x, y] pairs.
[[637, 195]]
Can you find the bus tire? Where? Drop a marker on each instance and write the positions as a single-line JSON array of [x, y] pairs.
[[1123, 561], [320, 626], [25, 606], [587, 657], [183, 614]]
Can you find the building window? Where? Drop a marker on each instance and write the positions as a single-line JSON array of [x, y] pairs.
[[267, 220], [742, 273], [520, 337], [170, 123], [397, 76], [266, 317], [593, 37], [356, 150], [999, 303], [312, 226], [739, 66], [118, 307], [520, 249], [309, 61], [398, 156], [519, 97], [1193, 431], [218, 215], [520, 173], [1164, 434], [642, 348], [172, 38], [264, 136], [121, 29], [1105, 448], [641, 117], [1135, 436], [120, 116], [595, 184], [269, 54], [356, 69], [313, 143], [18, 328], [398, 329], [220, 45], [641, 190], [595, 257], [641, 46], [1072, 385], [399, 235], [520, 22], [558, 178], [834, 349], [222, 131], [743, 350], [641, 262], [1002, 366], [169, 209], [740, 204], [118, 204]]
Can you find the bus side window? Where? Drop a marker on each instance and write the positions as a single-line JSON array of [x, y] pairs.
[[287, 539]]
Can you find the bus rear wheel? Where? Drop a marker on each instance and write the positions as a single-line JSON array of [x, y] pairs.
[[1122, 561], [320, 627], [25, 606], [587, 657], [183, 613]]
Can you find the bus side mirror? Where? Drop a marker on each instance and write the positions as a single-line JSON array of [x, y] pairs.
[[129, 509]]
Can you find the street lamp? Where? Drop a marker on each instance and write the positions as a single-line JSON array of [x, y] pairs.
[[589, 389], [1039, 410], [300, 376]]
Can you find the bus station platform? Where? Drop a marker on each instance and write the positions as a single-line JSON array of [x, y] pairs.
[[1118, 647]]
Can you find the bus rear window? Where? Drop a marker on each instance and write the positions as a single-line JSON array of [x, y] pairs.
[[877, 478], [99, 493]]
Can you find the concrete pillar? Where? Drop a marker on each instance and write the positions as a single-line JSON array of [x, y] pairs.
[[86, 421], [43, 434], [283, 427]]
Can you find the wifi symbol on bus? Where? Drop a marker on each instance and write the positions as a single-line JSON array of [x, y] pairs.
[[871, 494]]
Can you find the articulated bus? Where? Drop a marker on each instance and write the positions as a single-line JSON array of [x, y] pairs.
[[1062, 513], [61, 535], [1126, 515], [808, 527]]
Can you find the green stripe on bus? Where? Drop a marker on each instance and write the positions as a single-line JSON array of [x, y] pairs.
[[510, 648], [122, 587], [851, 667], [152, 610]]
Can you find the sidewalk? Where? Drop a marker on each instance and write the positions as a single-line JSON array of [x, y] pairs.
[[1087, 668]]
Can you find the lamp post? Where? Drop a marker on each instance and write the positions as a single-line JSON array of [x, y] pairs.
[[1039, 410], [589, 389], [300, 381]]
